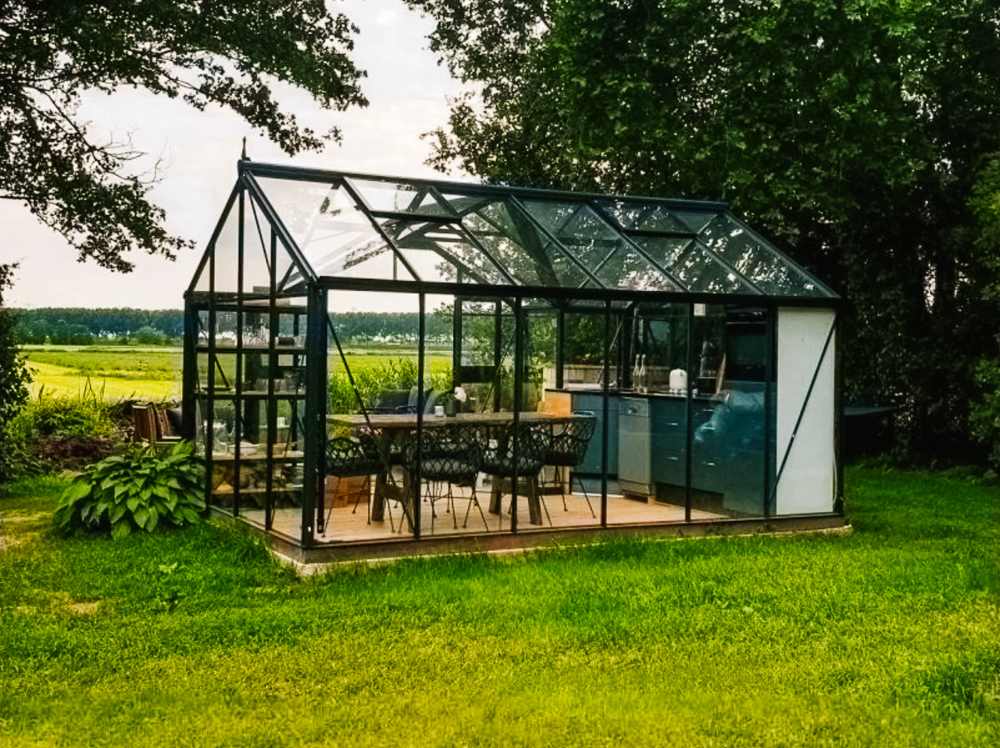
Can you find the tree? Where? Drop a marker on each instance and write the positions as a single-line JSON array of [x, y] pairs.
[[14, 377], [851, 131], [209, 52]]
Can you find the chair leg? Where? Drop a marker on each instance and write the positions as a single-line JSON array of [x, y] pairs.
[[558, 477], [582, 488], [366, 489], [473, 499]]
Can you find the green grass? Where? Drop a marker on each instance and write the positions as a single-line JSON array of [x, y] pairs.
[[118, 371], [154, 373], [886, 636]]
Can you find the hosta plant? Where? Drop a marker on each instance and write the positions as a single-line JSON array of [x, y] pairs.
[[137, 491]]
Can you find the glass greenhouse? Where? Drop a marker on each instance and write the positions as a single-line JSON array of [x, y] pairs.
[[380, 366]]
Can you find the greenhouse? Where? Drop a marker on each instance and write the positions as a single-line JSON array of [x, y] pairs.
[[379, 366]]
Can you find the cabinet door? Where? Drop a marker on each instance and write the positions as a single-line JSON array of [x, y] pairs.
[[591, 464], [668, 425]]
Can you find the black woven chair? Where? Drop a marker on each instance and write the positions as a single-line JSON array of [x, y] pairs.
[[449, 456], [352, 458], [533, 441], [569, 446]]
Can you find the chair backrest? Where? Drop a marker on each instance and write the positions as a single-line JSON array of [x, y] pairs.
[[570, 440], [144, 422], [455, 449], [348, 457], [533, 442]]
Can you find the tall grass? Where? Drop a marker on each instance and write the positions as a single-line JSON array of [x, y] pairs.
[[384, 373], [883, 636], [84, 414]]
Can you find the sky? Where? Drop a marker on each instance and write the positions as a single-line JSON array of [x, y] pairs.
[[407, 92]]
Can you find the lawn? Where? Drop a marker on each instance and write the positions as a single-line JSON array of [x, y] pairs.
[[884, 636]]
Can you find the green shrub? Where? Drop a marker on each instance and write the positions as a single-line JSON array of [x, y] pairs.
[[392, 374], [985, 415], [83, 415], [135, 491], [147, 335]]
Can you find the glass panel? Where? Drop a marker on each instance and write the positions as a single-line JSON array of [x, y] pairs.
[[765, 267], [601, 249], [694, 266], [729, 456], [635, 215], [439, 252], [695, 220], [226, 252], [300, 206], [652, 418], [334, 235], [368, 492], [513, 240], [256, 251], [399, 197]]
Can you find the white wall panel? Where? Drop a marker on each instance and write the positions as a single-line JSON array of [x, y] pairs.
[[807, 484]]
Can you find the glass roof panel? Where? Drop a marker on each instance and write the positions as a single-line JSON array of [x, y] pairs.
[[298, 204], [598, 246], [696, 220], [490, 235], [338, 239], [400, 197], [507, 234], [638, 215], [442, 252], [770, 271], [694, 266]]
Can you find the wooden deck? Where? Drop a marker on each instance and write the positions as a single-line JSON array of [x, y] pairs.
[[347, 525]]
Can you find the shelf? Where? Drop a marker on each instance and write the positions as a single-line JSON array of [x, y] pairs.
[[227, 490], [257, 457], [252, 394], [281, 350]]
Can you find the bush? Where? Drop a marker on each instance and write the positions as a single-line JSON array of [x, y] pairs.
[[149, 336], [393, 374], [985, 415], [83, 415], [14, 379], [137, 491]]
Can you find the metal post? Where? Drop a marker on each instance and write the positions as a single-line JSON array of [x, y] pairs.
[[688, 417]]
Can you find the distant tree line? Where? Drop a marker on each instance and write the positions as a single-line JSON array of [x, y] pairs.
[[87, 326]]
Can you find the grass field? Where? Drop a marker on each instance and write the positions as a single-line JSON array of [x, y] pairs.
[[117, 371], [149, 373], [886, 636]]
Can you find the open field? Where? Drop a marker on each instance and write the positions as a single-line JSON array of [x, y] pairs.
[[884, 636], [117, 371], [151, 373]]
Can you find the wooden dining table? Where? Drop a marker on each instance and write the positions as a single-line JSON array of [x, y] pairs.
[[393, 427]]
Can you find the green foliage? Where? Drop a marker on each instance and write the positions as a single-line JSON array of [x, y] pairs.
[[386, 374], [225, 53], [14, 379], [852, 133], [44, 325], [80, 415], [137, 491], [150, 336], [985, 417]]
